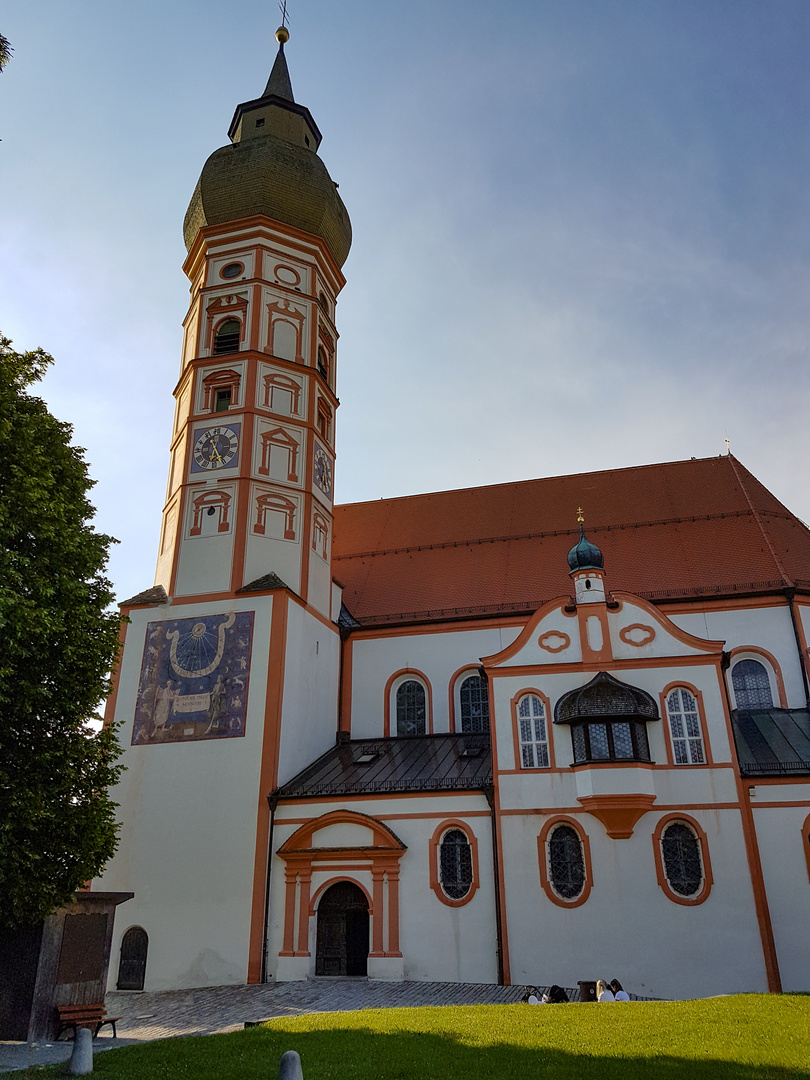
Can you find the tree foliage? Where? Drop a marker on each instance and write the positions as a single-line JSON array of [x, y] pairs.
[[58, 642], [6, 49]]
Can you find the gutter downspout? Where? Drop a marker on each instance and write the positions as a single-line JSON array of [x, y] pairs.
[[489, 794], [272, 802], [790, 594], [761, 908]]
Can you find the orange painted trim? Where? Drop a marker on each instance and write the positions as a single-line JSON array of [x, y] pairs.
[[268, 780], [112, 700], [701, 645], [513, 706], [703, 842], [766, 781], [305, 881], [435, 843], [447, 626], [787, 804], [403, 674], [604, 654], [740, 652], [530, 670], [806, 843], [559, 603], [688, 607], [346, 685], [430, 815], [647, 631], [618, 813], [316, 899], [568, 810], [704, 731], [301, 839], [542, 859]]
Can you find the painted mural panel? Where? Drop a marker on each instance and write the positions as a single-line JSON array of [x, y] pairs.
[[194, 679]]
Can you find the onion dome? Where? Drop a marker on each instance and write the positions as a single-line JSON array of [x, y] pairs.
[[271, 167], [584, 555], [605, 696]]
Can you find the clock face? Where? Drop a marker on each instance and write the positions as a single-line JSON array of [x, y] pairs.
[[322, 472], [215, 448]]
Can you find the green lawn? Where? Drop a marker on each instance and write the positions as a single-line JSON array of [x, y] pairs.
[[747, 1037]]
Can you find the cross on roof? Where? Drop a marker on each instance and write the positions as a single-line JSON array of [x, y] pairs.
[[282, 7]]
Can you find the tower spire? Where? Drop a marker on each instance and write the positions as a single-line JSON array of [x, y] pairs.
[[279, 84]]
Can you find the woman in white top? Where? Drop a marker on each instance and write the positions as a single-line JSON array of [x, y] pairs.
[[619, 993], [603, 991]]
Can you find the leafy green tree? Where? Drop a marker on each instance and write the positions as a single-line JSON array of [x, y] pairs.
[[6, 50], [58, 642]]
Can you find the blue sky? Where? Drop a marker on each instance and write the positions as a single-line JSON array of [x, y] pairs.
[[580, 230]]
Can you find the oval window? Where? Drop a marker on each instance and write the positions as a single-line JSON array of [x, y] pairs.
[[232, 270], [683, 865], [455, 864], [566, 865]]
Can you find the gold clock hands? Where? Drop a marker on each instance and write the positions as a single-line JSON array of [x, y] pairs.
[[215, 454]]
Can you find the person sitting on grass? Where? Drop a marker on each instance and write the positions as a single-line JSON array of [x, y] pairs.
[[603, 991], [619, 993]]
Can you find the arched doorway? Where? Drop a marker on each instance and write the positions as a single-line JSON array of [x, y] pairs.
[[342, 945], [132, 965]]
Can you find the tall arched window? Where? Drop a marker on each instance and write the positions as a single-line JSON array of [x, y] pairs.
[[566, 864], [411, 708], [474, 704], [531, 717], [455, 864], [752, 687], [683, 866], [226, 339], [684, 727]]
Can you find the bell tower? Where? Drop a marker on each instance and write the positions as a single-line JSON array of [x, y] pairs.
[[251, 479]]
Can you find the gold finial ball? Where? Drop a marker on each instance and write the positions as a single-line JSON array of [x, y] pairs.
[[282, 35]]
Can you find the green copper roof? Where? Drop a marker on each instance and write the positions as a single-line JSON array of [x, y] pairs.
[[584, 555]]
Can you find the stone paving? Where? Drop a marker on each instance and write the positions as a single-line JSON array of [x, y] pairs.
[[146, 1016]]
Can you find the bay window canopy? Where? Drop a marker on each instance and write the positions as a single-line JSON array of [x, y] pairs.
[[608, 720]]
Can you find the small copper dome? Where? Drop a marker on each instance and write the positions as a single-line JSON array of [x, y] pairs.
[[584, 555]]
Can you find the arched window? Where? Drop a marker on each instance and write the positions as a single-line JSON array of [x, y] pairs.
[[683, 866], [684, 727], [226, 339], [474, 703], [455, 864], [531, 716], [566, 863], [411, 708], [752, 686]]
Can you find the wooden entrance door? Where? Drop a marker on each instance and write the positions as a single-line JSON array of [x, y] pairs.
[[132, 968], [342, 946]]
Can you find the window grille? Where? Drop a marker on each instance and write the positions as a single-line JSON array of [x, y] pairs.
[[455, 864], [411, 708], [752, 687], [533, 733], [682, 863], [684, 728], [610, 740], [566, 864], [474, 705], [227, 336]]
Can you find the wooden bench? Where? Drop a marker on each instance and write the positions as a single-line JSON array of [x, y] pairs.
[[81, 1016]]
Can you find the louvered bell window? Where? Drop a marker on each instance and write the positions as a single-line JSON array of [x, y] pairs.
[[227, 336], [455, 864], [566, 863], [683, 865]]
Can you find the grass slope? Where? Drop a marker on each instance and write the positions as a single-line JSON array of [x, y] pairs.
[[746, 1037]]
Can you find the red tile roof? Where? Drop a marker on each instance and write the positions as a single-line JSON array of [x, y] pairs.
[[682, 529]]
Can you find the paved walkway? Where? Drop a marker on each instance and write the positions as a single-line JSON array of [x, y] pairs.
[[229, 1008]]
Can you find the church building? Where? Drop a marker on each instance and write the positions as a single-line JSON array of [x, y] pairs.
[[530, 733]]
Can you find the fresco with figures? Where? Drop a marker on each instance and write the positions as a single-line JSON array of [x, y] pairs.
[[194, 679]]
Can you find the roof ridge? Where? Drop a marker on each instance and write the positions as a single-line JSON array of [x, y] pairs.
[[543, 533], [529, 480], [766, 536]]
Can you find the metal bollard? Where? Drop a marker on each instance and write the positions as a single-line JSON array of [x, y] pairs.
[[81, 1060], [290, 1067]]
